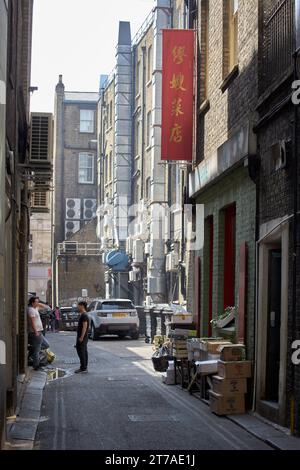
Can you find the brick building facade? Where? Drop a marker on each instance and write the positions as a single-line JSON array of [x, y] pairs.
[[75, 166], [221, 179], [278, 380], [15, 65], [79, 267]]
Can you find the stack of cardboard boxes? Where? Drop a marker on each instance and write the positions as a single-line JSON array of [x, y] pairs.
[[180, 348], [229, 387]]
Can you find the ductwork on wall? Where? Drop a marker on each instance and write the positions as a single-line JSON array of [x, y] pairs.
[[156, 275]]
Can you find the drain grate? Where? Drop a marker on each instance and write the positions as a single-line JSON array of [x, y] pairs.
[[153, 418]]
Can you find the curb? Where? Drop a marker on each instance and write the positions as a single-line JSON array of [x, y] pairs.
[[22, 433]]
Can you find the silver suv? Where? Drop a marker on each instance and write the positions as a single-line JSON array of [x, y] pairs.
[[113, 317]]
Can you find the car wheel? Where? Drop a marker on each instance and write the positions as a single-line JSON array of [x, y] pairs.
[[135, 335], [93, 334], [122, 335]]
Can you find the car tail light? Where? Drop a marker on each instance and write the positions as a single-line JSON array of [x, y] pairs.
[[133, 314]]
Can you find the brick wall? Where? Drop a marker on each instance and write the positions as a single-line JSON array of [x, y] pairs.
[[230, 105], [81, 272]]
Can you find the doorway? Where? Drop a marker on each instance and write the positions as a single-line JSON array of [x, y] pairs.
[[272, 320], [273, 325]]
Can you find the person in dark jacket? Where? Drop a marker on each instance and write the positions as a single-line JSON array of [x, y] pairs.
[[82, 338]]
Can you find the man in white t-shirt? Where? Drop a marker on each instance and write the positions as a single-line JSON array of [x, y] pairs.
[[35, 330]]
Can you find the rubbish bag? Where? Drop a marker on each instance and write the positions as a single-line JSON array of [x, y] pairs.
[[50, 356]]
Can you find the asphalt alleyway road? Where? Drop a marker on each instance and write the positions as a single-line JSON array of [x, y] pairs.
[[122, 404]]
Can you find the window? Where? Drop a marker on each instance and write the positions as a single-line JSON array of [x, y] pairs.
[[204, 50], [230, 36], [110, 113], [86, 168], [110, 167], [87, 121], [148, 187], [117, 305], [137, 137], [149, 64], [138, 78], [149, 127]]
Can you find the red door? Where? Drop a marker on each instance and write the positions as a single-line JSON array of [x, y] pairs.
[[229, 256], [210, 222]]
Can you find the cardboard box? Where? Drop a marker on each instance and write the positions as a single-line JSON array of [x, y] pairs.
[[235, 370], [226, 405], [182, 319], [232, 353], [207, 367], [229, 386], [204, 342], [213, 346]]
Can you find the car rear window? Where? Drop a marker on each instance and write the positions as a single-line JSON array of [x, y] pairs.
[[117, 306]]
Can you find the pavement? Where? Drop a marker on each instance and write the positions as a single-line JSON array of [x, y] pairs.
[[122, 404]]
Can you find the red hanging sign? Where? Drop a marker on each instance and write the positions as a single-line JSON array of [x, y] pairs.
[[177, 94]]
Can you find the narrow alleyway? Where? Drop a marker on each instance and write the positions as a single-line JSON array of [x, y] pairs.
[[122, 404]]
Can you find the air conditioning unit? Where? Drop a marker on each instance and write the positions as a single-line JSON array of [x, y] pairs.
[[70, 248], [73, 211], [41, 138], [147, 248], [89, 208], [172, 262], [129, 246], [134, 276], [71, 227], [40, 202], [138, 251]]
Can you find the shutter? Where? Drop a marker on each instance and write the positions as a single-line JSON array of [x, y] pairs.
[[278, 40]]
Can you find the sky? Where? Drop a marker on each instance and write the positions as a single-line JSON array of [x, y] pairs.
[[77, 38]]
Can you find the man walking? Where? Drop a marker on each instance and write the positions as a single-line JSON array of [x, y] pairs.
[[35, 330], [57, 319], [82, 338]]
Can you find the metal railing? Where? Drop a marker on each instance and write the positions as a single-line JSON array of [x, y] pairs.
[[79, 249], [277, 52]]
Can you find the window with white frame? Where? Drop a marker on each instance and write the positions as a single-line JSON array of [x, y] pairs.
[[86, 168], [87, 117], [149, 127]]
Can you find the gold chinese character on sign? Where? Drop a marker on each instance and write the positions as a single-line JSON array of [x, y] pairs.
[[177, 82], [177, 107], [176, 134], [178, 54]]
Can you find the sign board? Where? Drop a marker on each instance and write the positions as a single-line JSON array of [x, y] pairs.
[[177, 94]]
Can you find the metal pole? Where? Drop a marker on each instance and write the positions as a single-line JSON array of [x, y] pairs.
[[295, 250]]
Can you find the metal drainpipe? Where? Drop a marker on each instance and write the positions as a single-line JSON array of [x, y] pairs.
[[295, 250], [143, 119], [101, 146]]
